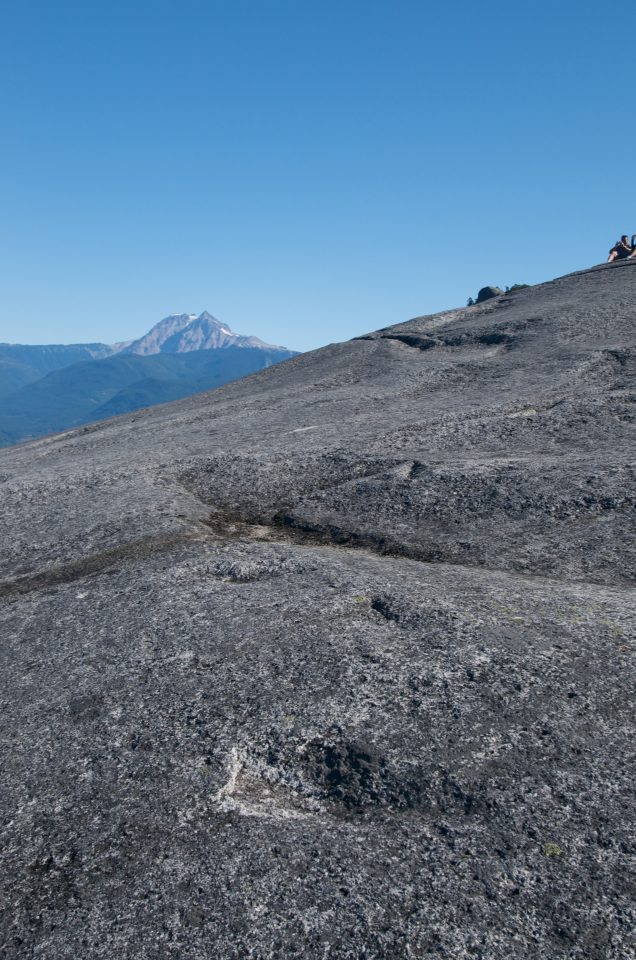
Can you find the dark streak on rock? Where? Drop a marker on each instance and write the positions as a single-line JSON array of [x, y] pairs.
[[91, 565]]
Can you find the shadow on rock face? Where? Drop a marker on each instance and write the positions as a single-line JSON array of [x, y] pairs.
[[334, 775], [354, 775], [337, 774]]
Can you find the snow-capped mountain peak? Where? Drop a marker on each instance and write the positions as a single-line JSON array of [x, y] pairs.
[[186, 332]]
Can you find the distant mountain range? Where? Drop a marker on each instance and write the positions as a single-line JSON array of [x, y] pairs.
[[52, 387]]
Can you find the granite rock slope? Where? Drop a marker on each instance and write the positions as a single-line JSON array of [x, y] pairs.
[[336, 661]]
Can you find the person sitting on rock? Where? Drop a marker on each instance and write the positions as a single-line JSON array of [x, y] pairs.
[[623, 249]]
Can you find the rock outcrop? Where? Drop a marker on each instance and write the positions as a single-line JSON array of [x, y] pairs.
[[488, 293], [335, 661]]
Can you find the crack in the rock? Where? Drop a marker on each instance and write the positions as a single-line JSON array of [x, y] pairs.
[[487, 339], [420, 343], [90, 565], [284, 528]]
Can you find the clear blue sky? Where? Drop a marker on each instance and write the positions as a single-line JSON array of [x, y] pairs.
[[305, 170]]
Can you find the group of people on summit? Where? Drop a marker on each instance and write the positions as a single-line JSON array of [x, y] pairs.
[[623, 249]]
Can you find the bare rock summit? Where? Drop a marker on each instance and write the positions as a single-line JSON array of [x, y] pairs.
[[336, 661]]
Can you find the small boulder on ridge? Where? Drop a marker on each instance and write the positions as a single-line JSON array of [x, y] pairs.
[[488, 293]]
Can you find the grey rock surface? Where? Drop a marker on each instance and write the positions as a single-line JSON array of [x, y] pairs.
[[336, 661]]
